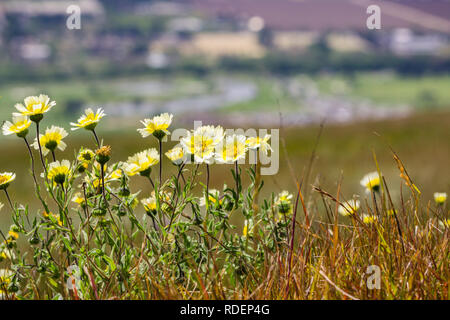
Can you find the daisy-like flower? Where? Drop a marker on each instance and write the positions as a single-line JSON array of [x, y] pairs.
[[255, 143], [86, 155], [440, 197], [78, 198], [213, 196], [12, 234], [5, 279], [112, 173], [371, 182], [284, 203], [233, 149], [150, 205], [369, 219], [202, 143], [52, 216], [19, 126], [141, 162], [349, 208], [35, 107], [51, 140], [89, 119], [157, 126], [176, 155], [5, 179], [59, 171]]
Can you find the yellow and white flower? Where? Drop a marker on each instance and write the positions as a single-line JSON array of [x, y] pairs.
[[202, 143], [141, 162], [5, 279], [371, 182], [19, 126], [255, 143], [59, 172], [157, 126], [213, 196], [86, 155], [5, 179], [35, 107], [78, 198], [369, 219], [176, 155], [51, 140], [150, 204], [440, 197], [349, 208], [284, 203], [233, 149], [89, 119]]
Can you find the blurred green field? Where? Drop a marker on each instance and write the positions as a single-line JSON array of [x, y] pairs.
[[344, 151]]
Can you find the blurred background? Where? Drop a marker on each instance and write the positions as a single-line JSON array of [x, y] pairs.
[[288, 64]]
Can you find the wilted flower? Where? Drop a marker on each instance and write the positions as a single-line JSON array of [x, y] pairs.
[[258, 143], [202, 142], [176, 155], [157, 126], [369, 219], [141, 162], [232, 150], [349, 208], [59, 171], [5, 179], [371, 182], [51, 140], [440, 197], [35, 107], [19, 126], [89, 119]]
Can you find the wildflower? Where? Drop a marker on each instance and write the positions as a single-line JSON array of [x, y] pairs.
[[283, 202], [256, 143], [150, 205], [176, 155], [440, 197], [141, 162], [12, 234], [157, 126], [444, 223], [19, 126], [103, 154], [248, 228], [35, 107], [89, 119], [77, 198], [112, 173], [5, 280], [371, 182], [59, 171], [5, 179], [52, 216], [349, 208], [214, 197], [368, 219], [51, 140], [233, 150], [86, 155], [6, 254], [202, 142]]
